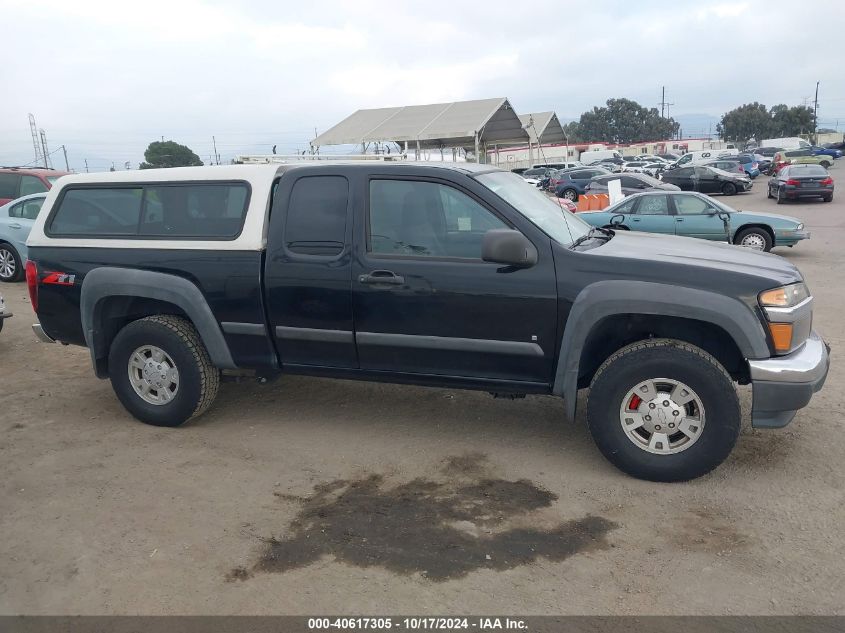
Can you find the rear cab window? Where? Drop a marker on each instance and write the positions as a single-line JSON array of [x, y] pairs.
[[213, 211]]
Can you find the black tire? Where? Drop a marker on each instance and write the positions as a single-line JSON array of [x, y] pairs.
[[729, 189], [7, 250], [198, 380], [828, 198], [569, 194], [780, 198], [754, 230], [670, 359], [1, 324], [825, 164], [769, 192]]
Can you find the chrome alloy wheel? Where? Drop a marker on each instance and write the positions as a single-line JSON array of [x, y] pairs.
[[754, 241], [7, 264], [662, 416], [153, 375]]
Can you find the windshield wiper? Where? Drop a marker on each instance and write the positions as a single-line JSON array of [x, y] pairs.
[[594, 233]]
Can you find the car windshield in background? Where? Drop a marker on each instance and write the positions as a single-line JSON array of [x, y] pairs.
[[807, 170], [52, 179], [559, 224], [652, 182], [722, 172]]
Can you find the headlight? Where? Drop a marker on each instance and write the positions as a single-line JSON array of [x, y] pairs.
[[785, 296], [799, 227]]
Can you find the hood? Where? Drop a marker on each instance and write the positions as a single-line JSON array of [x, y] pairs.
[[689, 251]]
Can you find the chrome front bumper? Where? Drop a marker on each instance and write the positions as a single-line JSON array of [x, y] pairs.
[[41, 334], [784, 384]]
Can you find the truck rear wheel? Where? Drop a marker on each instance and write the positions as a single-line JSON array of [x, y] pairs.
[[161, 371], [663, 410]]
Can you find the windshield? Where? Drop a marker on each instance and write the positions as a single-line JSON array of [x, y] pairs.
[[561, 225], [653, 182], [52, 179]]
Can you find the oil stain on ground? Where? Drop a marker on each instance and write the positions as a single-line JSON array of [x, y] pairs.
[[441, 529]]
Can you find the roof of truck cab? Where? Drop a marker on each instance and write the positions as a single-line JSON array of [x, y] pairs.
[[211, 172]]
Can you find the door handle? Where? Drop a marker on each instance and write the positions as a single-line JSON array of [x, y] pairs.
[[382, 277], [14, 225], [679, 219], [635, 219]]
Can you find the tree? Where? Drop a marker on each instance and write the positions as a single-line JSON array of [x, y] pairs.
[[622, 121], [169, 154], [751, 120], [793, 121]]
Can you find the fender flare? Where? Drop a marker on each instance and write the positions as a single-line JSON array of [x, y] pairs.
[[608, 298], [101, 283]]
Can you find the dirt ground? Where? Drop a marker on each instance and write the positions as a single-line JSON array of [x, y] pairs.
[[312, 496]]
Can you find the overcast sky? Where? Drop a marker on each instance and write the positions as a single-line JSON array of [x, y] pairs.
[[105, 78]]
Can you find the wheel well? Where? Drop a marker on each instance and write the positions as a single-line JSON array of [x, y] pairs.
[[765, 227], [615, 332], [116, 312]]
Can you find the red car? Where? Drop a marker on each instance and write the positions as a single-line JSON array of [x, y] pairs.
[[22, 181]]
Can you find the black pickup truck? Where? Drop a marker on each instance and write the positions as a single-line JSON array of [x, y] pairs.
[[449, 276]]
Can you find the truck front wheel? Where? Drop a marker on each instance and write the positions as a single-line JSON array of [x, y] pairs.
[[663, 410], [161, 371]]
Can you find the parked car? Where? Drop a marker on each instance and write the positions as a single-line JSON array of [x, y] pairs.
[[697, 215], [826, 151], [573, 183], [4, 313], [594, 156], [537, 172], [16, 220], [768, 152], [671, 158], [568, 205], [707, 180], [700, 157], [800, 157], [801, 181], [631, 183], [725, 164], [447, 275], [520, 170], [840, 146], [741, 164], [16, 182]]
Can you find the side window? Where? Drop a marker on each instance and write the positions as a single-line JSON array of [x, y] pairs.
[[98, 211], [9, 185], [317, 215], [27, 210], [691, 205], [31, 184], [626, 207], [654, 205], [214, 211], [632, 183], [426, 219], [684, 172]]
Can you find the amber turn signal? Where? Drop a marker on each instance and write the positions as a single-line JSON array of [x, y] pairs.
[[781, 336]]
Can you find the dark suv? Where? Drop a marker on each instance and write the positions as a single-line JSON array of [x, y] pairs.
[[22, 181]]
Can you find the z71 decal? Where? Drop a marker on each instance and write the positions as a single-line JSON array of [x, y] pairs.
[[59, 279]]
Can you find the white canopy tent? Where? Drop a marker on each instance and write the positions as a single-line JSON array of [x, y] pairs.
[[475, 124]]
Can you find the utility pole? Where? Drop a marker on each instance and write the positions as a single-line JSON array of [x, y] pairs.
[[67, 167], [47, 161], [214, 144], [36, 144], [86, 165], [816, 116], [662, 102]]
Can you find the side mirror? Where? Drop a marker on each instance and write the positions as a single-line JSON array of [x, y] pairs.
[[506, 246]]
